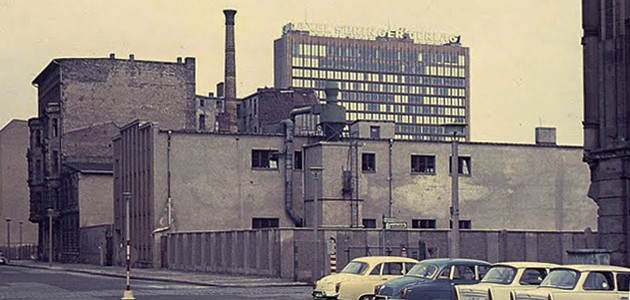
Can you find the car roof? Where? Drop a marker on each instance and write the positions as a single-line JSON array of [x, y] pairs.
[[526, 264], [440, 262], [379, 259], [594, 268]]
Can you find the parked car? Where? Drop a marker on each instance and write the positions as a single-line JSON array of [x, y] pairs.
[[3, 260], [505, 278], [433, 279], [581, 282], [359, 277]]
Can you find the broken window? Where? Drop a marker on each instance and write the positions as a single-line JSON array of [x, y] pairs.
[[264, 159], [368, 162], [463, 165], [423, 164]]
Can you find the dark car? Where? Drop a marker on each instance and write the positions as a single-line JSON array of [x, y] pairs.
[[3, 260], [433, 279]]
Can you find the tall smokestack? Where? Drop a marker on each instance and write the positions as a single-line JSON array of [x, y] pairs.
[[227, 121]]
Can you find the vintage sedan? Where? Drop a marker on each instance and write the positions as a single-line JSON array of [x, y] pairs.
[[581, 282], [505, 278], [433, 279], [357, 280]]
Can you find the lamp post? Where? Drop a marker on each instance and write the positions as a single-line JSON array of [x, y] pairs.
[[8, 238], [128, 294], [316, 171], [51, 213], [454, 131], [20, 247]]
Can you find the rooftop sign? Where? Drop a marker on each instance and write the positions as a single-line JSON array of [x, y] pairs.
[[370, 33]]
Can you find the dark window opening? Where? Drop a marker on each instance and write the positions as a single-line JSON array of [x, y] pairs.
[[297, 160], [423, 164], [369, 223], [55, 159], [202, 122], [55, 127], [368, 162], [424, 223], [375, 132], [202, 102], [264, 159], [463, 224], [463, 165], [265, 223]]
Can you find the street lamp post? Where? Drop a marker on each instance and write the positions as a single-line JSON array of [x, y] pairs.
[[8, 238], [316, 171], [20, 247], [128, 294], [51, 213], [454, 130]]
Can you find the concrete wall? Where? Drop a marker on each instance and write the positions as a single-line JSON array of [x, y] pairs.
[[14, 195], [95, 200], [288, 253]]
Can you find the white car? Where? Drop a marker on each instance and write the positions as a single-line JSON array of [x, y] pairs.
[[581, 282], [505, 278]]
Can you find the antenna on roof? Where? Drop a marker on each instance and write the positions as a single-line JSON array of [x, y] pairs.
[[541, 121]]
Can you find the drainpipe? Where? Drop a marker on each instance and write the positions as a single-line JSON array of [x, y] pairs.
[[169, 204]]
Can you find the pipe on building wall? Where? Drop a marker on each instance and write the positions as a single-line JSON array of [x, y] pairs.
[[389, 178], [169, 203], [288, 173]]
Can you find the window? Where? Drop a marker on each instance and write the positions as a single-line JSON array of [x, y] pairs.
[[265, 223], [297, 160], [368, 162], [392, 268], [463, 224], [423, 164], [264, 159], [55, 158], [599, 281], [202, 122], [463, 165], [369, 223], [423, 223], [376, 270], [462, 272], [375, 132], [623, 280], [55, 127], [202, 102], [533, 276]]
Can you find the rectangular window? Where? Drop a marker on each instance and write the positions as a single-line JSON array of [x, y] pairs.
[[423, 164], [369, 223], [463, 166], [297, 160], [375, 132], [463, 224], [55, 127], [368, 162], [424, 223], [202, 122], [264, 159], [55, 158], [202, 102], [265, 223]]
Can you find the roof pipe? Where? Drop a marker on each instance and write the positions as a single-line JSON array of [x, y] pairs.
[[169, 204]]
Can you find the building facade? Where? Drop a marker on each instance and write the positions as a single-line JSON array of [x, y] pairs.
[[606, 53], [383, 76], [14, 203], [210, 181], [81, 105]]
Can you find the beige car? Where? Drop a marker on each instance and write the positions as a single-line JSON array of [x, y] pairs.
[[505, 278], [360, 276], [581, 282]]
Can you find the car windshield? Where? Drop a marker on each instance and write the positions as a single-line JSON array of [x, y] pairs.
[[500, 274], [563, 279], [423, 270], [355, 267]]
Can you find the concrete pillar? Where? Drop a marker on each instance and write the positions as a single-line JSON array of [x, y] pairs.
[[202, 252], [567, 244], [287, 268], [492, 244]]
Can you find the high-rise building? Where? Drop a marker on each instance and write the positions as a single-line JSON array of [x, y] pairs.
[[418, 80]]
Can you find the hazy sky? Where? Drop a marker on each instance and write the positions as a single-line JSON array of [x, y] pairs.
[[526, 63]]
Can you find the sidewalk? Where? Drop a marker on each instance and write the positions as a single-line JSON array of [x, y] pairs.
[[198, 278]]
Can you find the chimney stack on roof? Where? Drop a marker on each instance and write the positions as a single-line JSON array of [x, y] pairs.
[[227, 120]]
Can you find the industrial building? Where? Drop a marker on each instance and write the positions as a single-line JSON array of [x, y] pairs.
[[417, 80], [189, 181]]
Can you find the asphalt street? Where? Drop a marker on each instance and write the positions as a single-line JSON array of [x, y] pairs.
[[27, 283]]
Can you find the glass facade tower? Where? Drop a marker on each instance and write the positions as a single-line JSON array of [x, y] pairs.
[[420, 87]]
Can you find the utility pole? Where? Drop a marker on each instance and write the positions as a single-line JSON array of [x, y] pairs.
[[20, 247], [454, 239], [8, 238], [316, 171], [128, 294]]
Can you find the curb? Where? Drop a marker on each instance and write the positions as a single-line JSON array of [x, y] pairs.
[[161, 279]]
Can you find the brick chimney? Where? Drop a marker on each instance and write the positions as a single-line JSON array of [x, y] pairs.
[[227, 120]]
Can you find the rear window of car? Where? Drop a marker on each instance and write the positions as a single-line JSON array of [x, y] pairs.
[[623, 281], [532, 276], [561, 279], [500, 275]]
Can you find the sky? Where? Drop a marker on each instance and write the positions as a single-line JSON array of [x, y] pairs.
[[526, 59]]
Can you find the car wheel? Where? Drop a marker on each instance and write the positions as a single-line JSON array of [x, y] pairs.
[[366, 298]]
